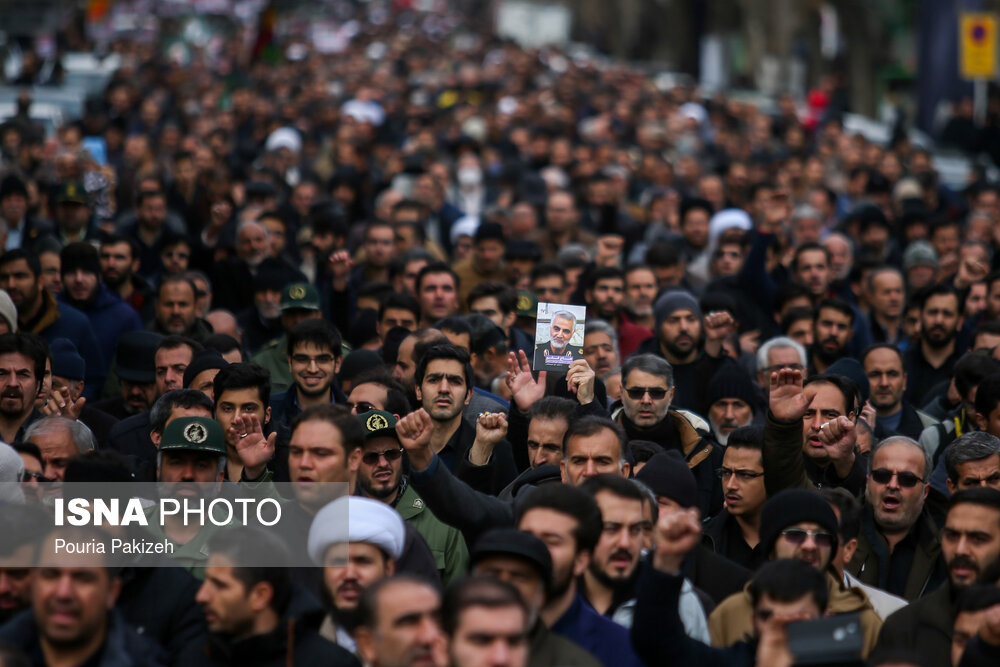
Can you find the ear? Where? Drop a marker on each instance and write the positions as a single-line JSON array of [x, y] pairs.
[[260, 596], [354, 460], [365, 641], [626, 469], [980, 421], [951, 486], [562, 471], [156, 438], [116, 589], [580, 563], [848, 549], [468, 396], [337, 363], [508, 321], [416, 388], [390, 567], [267, 415], [927, 489]]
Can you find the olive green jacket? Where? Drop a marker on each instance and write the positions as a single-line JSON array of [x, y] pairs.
[[446, 542]]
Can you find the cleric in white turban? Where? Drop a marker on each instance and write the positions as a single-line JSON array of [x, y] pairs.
[[356, 519]]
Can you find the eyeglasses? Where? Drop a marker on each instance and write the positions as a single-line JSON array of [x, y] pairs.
[[655, 393], [907, 480], [305, 359], [742, 475], [797, 536], [361, 407], [32, 476], [372, 458]]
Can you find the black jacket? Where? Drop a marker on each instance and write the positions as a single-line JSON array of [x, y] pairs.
[[295, 641], [130, 438], [123, 646], [925, 626], [158, 602], [99, 422], [720, 534], [716, 576], [658, 633]]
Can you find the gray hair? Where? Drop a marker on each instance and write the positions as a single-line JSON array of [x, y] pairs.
[[779, 342], [81, 435], [973, 446], [893, 439], [649, 363], [565, 314], [248, 223], [185, 398]]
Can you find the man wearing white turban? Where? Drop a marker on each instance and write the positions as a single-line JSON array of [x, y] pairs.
[[357, 542]]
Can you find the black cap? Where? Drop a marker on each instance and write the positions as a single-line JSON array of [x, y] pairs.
[[357, 362], [489, 231], [12, 185], [135, 359], [510, 542], [203, 361], [72, 193], [667, 474]]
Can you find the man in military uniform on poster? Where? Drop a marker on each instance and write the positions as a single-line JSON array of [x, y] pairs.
[[561, 330]]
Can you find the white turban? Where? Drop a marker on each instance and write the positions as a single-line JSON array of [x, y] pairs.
[[724, 220], [367, 520], [284, 137], [464, 226]]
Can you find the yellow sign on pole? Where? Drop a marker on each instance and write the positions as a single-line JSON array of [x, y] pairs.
[[978, 40]]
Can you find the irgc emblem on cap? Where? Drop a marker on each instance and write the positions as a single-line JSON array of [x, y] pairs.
[[378, 422], [195, 433], [297, 292]]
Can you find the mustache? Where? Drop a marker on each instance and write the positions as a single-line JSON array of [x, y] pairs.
[[12, 393], [620, 553], [963, 561]]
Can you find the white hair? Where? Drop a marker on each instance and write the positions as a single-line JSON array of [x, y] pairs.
[[779, 342]]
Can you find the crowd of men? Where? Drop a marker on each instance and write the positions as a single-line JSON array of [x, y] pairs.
[[328, 268]]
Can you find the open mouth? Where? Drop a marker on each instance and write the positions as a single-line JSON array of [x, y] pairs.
[[891, 503]]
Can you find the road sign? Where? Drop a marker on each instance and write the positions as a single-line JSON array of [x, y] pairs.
[[978, 45]]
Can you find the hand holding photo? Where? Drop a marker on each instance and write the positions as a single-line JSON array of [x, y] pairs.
[[559, 336]]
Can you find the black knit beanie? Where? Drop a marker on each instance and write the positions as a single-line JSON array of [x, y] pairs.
[[790, 507], [668, 474]]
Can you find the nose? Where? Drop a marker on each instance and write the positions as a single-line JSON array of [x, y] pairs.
[[730, 413], [499, 653], [963, 546], [731, 482], [64, 588], [624, 539], [187, 473], [590, 470], [816, 422], [810, 543], [893, 482], [202, 596], [429, 631]]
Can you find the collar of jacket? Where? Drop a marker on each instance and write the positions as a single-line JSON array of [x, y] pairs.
[[47, 314], [679, 428]]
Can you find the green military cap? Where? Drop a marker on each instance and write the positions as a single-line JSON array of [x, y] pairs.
[[71, 193], [378, 422], [197, 434], [299, 295], [527, 304]]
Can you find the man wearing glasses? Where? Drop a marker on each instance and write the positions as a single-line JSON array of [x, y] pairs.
[[646, 414], [380, 476], [314, 356], [899, 549], [798, 524]]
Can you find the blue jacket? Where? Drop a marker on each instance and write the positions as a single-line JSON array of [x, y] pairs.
[[109, 317], [608, 641], [61, 320]]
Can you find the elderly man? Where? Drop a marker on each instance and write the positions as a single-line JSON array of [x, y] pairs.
[[232, 279], [357, 542], [777, 353], [733, 401], [60, 441], [562, 328]]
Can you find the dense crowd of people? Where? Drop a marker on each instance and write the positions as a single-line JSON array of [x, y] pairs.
[[783, 404]]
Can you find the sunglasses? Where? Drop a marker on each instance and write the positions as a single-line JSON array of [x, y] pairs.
[[907, 480], [372, 458], [655, 393], [797, 536], [29, 476], [361, 407]]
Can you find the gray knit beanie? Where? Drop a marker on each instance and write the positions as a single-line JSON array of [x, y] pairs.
[[674, 301]]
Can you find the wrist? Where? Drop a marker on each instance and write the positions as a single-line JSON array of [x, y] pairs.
[[668, 563]]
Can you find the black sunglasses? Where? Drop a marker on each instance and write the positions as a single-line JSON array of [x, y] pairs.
[[797, 536], [361, 407], [655, 393], [907, 480], [371, 458]]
